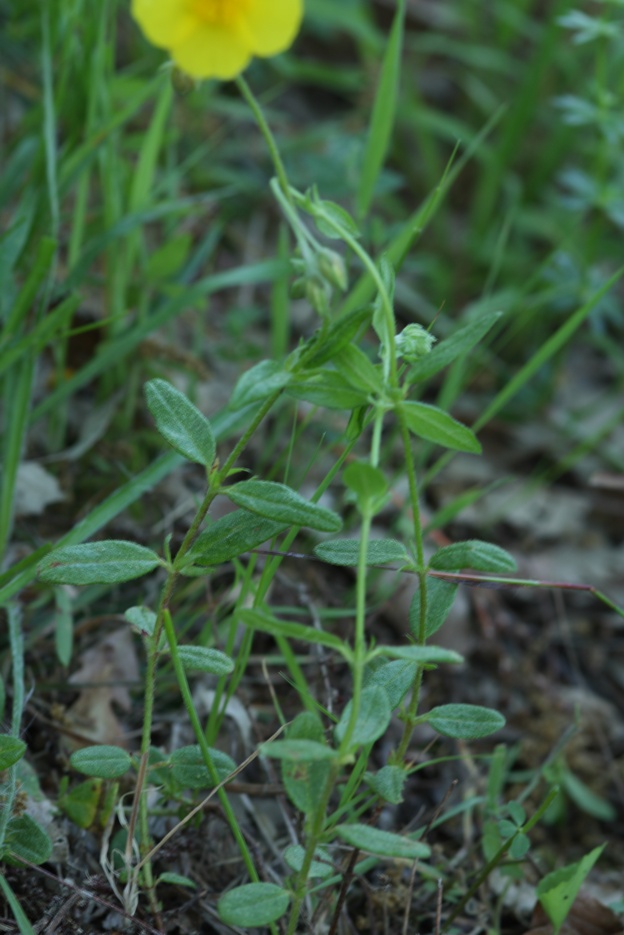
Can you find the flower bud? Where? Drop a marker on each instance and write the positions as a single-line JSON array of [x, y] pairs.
[[317, 293], [333, 269], [413, 343]]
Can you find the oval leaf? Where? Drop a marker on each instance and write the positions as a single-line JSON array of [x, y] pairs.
[[181, 423], [204, 659], [304, 781], [437, 426], [346, 552], [280, 503], [395, 677], [368, 484], [108, 562], [321, 867], [253, 904], [190, 770], [372, 720], [231, 536], [26, 839], [482, 556], [388, 783], [440, 597], [12, 749], [104, 761], [465, 721], [332, 220], [258, 383], [383, 843], [142, 619]]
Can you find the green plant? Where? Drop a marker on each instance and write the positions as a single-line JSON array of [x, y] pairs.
[[358, 363]]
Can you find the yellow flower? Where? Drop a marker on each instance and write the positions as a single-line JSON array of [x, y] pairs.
[[218, 38]]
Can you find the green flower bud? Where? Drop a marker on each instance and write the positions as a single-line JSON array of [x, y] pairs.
[[298, 288], [318, 293], [413, 343], [333, 269]]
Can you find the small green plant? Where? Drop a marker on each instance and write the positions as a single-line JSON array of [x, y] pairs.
[[354, 363]]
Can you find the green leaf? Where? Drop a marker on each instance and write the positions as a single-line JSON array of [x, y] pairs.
[[396, 678], [82, 802], [105, 761], [353, 364], [321, 867], [181, 423], [368, 484], [107, 562], [332, 220], [422, 655], [190, 771], [304, 780], [519, 847], [459, 343], [380, 317], [20, 917], [517, 813], [12, 749], [558, 890], [259, 383], [204, 659], [507, 828], [384, 110], [586, 800], [372, 720], [64, 625], [465, 721], [473, 553], [178, 879], [342, 332], [26, 839], [260, 620], [253, 905], [382, 843], [280, 503], [388, 783], [326, 388], [440, 597], [437, 426], [168, 259], [298, 751], [346, 552], [142, 619], [231, 536]]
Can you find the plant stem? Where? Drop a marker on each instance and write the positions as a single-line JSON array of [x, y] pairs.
[[412, 711], [265, 129]]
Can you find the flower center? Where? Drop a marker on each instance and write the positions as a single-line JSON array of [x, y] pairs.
[[220, 12]]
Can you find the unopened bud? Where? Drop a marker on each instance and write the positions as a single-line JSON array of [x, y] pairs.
[[333, 269], [413, 343], [316, 292]]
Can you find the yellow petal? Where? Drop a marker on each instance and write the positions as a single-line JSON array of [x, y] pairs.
[[272, 25], [212, 51], [164, 22]]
